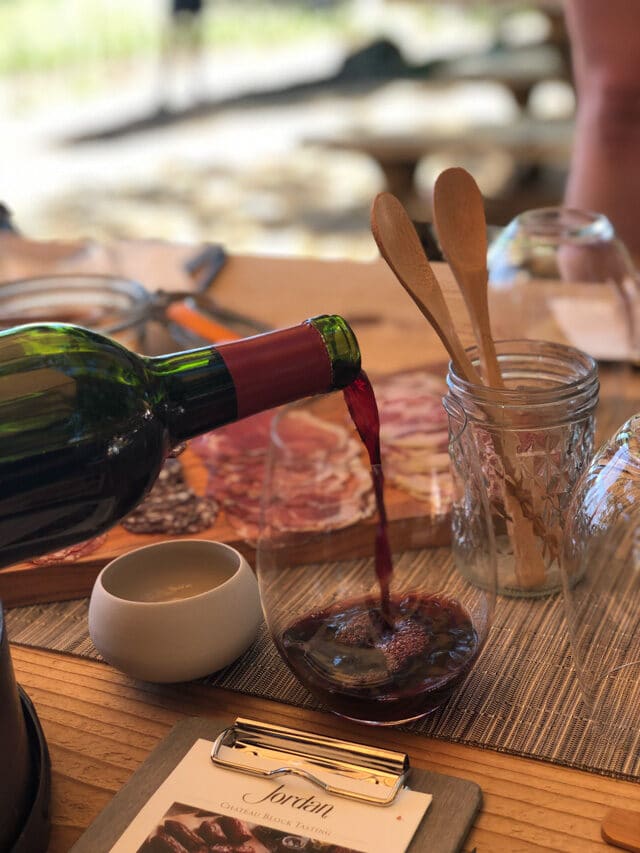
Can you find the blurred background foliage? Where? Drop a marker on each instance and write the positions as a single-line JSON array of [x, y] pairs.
[[118, 123]]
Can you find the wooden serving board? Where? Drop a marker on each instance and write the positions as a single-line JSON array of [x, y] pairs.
[[24, 583]]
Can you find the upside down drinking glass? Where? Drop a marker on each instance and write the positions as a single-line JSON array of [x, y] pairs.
[[562, 275], [601, 580], [375, 641]]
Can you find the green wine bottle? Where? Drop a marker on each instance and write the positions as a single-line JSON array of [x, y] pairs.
[[85, 424]]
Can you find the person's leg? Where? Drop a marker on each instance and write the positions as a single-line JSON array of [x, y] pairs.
[[604, 174], [181, 53]]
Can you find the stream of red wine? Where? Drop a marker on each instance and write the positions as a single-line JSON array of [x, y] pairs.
[[363, 408]]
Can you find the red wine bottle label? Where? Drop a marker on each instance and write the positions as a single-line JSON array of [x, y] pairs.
[[277, 367]]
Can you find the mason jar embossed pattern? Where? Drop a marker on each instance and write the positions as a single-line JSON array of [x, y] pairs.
[[534, 437]]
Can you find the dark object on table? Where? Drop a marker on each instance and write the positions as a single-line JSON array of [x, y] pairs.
[[25, 777], [204, 269], [193, 6], [428, 238], [6, 221], [206, 264]]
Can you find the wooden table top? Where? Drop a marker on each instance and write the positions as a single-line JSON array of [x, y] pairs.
[[100, 725]]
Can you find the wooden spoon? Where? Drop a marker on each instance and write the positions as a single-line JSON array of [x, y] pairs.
[[401, 248], [462, 231]]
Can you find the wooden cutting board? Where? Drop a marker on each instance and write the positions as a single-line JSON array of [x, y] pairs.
[[24, 583]]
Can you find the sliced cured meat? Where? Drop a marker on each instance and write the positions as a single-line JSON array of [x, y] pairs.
[[429, 441], [321, 481], [72, 553], [250, 435], [411, 404], [414, 437], [307, 509], [303, 434], [172, 507], [408, 462], [436, 489], [236, 479], [245, 520]]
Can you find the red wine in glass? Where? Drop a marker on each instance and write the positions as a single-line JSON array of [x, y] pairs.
[[391, 659], [383, 669]]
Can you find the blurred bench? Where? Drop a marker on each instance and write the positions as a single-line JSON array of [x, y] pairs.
[[533, 145], [519, 70]]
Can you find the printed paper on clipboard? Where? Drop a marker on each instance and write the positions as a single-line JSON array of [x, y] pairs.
[[202, 806]]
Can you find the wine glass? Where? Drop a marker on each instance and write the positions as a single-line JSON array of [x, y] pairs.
[[601, 582], [562, 275], [379, 635]]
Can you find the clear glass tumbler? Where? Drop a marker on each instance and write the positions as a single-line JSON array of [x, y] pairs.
[[562, 275], [114, 306], [534, 438], [376, 649], [601, 580]]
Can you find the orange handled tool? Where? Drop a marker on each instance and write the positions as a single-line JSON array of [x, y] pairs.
[[203, 326]]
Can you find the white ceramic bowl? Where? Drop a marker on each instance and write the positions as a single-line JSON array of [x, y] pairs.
[[175, 610]]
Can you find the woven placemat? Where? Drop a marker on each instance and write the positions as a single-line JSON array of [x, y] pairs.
[[522, 696]]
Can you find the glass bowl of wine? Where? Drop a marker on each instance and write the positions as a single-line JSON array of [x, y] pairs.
[[356, 576]]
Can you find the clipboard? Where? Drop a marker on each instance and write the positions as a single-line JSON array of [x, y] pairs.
[[442, 830]]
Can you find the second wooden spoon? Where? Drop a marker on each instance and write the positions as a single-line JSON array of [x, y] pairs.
[[462, 231]]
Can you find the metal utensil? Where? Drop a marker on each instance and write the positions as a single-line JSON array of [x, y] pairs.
[[199, 313]]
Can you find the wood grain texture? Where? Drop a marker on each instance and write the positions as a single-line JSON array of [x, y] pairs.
[[101, 725]]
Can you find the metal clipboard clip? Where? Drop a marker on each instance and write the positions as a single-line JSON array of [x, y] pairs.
[[367, 774]]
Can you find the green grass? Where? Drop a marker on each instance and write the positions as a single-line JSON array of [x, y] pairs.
[[40, 35], [45, 35], [262, 23]]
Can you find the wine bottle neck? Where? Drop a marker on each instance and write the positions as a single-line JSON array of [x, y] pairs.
[[208, 387]]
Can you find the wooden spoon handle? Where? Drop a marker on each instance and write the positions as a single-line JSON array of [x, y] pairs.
[[477, 302], [621, 827], [432, 305], [458, 207]]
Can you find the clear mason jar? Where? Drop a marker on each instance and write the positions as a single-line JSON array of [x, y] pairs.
[[534, 438]]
